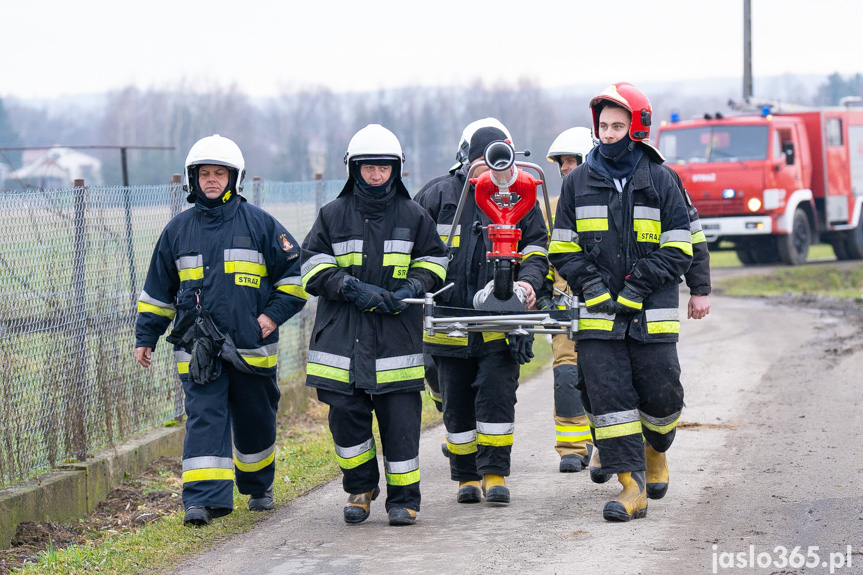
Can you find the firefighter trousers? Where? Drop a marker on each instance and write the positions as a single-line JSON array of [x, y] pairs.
[[572, 430], [479, 395], [399, 421], [633, 394], [241, 403]]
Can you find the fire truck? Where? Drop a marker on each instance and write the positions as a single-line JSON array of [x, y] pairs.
[[775, 181]]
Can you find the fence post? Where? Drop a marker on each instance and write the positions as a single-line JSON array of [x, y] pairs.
[[319, 193], [257, 184], [176, 199], [76, 386]]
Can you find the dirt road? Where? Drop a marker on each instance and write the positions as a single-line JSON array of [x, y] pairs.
[[769, 457]]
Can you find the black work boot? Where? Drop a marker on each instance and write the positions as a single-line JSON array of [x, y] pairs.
[[262, 502], [402, 516], [197, 516], [359, 506]]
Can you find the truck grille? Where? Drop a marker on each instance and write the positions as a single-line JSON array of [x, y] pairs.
[[719, 207]]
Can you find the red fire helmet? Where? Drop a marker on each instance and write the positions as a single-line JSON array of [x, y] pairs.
[[630, 98]]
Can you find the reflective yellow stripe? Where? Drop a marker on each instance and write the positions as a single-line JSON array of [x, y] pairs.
[[328, 372], [356, 461], [597, 299], [488, 336], [403, 478], [351, 259], [404, 374], [597, 324], [444, 339], [663, 327], [182, 367], [629, 303], [261, 361], [698, 237], [659, 428], [685, 247], [619, 430], [527, 255], [647, 230], [591, 225], [208, 474], [150, 308], [572, 438], [462, 448], [397, 259], [293, 290], [257, 466], [455, 240], [434, 268], [191, 274], [494, 440], [242, 267], [318, 268], [563, 247]]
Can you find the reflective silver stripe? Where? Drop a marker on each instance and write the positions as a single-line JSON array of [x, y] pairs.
[[442, 262], [330, 359], [495, 428], [616, 418], [317, 260], [147, 298], [645, 213], [239, 255], [532, 249], [189, 262], [660, 421], [695, 226], [445, 229], [292, 280], [584, 314], [590, 418], [402, 466], [675, 236], [461, 438], [662, 314], [398, 362], [349, 452], [207, 462], [398, 246], [181, 356], [265, 351], [254, 457], [348, 247], [561, 235], [590, 212]]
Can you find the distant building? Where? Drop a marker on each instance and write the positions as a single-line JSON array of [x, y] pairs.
[[56, 168]]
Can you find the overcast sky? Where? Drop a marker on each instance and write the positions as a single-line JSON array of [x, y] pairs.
[[56, 47]]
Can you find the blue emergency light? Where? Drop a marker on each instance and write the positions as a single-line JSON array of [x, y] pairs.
[[728, 193]]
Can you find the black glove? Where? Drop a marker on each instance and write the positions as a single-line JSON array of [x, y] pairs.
[[521, 347], [412, 288], [628, 300], [365, 296], [597, 298]]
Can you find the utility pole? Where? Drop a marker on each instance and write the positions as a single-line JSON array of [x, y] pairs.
[[747, 49]]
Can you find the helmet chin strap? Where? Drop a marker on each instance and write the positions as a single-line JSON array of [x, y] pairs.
[[626, 150]]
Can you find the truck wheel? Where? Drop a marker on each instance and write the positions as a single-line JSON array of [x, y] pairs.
[[794, 247], [853, 242], [744, 254], [838, 243]]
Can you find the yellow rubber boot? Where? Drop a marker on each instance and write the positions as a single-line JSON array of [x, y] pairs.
[[469, 492], [494, 488], [631, 503], [657, 473], [596, 474], [359, 506]]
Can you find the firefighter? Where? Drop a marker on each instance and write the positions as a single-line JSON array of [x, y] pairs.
[[622, 240], [479, 373], [368, 249], [572, 431], [228, 274]]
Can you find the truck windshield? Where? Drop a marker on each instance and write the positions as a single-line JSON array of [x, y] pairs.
[[713, 144]]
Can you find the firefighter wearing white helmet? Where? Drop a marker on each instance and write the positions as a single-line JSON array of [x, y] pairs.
[[368, 250], [461, 154], [573, 441], [228, 274]]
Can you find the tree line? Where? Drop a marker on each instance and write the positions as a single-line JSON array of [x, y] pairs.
[[296, 135]]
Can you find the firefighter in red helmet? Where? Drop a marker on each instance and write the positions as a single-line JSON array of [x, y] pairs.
[[622, 240]]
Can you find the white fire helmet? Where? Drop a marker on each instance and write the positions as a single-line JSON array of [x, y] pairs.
[[374, 142], [218, 151], [574, 141], [461, 156]]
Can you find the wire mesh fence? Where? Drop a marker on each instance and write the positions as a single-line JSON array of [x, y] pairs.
[[72, 263]]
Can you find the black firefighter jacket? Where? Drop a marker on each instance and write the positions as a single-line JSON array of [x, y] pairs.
[[640, 236], [469, 269], [380, 242], [241, 260]]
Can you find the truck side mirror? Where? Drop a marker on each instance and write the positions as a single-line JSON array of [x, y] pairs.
[[788, 150]]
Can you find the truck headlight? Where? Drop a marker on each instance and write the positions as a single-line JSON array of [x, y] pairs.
[[754, 204]]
